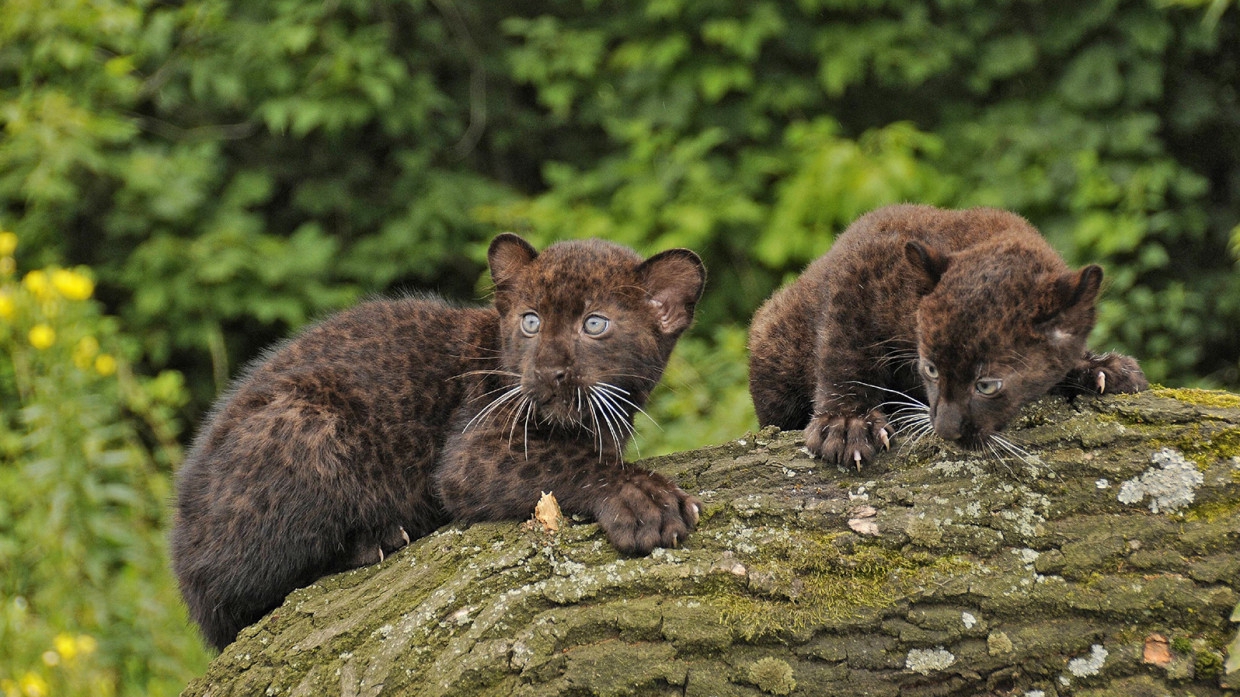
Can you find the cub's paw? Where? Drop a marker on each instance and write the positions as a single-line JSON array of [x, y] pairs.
[[848, 439], [645, 511], [1108, 373], [372, 549]]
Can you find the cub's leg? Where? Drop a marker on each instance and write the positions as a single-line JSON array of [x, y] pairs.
[[848, 425], [781, 361], [481, 477]]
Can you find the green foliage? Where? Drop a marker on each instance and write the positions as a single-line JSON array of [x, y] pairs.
[[87, 601]]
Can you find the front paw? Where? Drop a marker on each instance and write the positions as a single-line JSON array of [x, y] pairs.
[[374, 548], [1108, 373], [647, 511], [847, 439]]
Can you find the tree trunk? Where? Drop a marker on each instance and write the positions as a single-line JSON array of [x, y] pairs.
[[1106, 564]]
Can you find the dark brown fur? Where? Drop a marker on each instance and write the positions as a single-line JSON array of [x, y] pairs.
[[361, 432], [929, 303]]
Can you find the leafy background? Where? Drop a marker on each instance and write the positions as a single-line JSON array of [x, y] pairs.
[[205, 177]]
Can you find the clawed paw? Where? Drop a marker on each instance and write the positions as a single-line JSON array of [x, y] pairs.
[[648, 511], [370, 549], [1109, 373], [848, 439]]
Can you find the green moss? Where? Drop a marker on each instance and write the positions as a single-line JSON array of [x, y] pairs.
[[1203, 443], [1214, 510], [810, 582], [1208, 663], [1182, 644], [773, 676], [1203, 398]]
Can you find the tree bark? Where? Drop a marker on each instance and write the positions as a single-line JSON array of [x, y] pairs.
[[1106, 564]]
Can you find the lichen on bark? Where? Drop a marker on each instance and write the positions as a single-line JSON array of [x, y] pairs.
[[808, 579]]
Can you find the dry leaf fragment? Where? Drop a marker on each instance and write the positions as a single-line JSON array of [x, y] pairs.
[[547, 513], [1157, 650], [863, 526]]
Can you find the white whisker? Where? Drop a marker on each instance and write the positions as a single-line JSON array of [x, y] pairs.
[[482, 415], [607, 419], [528, 414], [621, 394]]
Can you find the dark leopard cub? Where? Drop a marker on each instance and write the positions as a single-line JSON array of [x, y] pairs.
[[970, 311], [390, 419]]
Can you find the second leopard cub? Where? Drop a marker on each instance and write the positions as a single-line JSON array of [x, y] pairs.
[[970, 311]]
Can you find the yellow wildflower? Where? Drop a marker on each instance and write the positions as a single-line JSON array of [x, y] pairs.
[[7, 266], [66, 646], [8, 244], [72, 284], [86, 644], [9, 688], [36, 282], [42, 336], [7, 307], [33, 685], [105, 365], [85, 351]]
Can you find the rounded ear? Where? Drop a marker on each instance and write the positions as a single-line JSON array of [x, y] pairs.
[[1076, 288], [506, 256], [930, 262], [1070, 311], [673, 281]]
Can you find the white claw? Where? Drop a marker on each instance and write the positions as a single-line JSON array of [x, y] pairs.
[[404, 534], [380, 555], [1102, 382], [857, 459], [882, 435]]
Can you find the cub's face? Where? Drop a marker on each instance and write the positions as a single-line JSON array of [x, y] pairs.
[[996, 333], [587, 327]]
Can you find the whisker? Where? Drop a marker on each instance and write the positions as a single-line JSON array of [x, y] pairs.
[[502, 373], [622, 419], [886, 389], [482, 415], [1020, 453], [598, 431], [622, 397], [606, 420], [528, 414], [516, 414]]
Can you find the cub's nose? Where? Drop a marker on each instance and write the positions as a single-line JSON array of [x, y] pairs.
[[557, 375], [948, 421]]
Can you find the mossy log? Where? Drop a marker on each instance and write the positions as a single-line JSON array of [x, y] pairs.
[[1106, 564]]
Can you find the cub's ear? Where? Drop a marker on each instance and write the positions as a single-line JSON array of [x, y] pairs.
[[673, 281], [1076, 289], [929, 262], [507, 255], [1070, 310]]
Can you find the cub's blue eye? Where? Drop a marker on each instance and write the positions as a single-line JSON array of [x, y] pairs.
[[930, 370], [530, 322], [595, 325], [988, 387]]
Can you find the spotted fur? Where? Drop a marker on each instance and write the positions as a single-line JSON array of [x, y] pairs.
[[388, 420], [912, 314]]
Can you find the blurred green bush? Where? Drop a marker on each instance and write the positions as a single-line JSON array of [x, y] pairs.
[[230, 171], [88, 604]]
